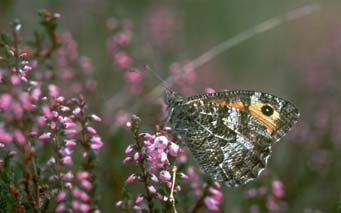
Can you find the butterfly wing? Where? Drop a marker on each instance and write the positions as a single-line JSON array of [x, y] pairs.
[[228, 133]]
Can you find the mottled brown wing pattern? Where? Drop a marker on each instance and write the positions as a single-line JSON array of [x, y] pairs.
[[230, 133]]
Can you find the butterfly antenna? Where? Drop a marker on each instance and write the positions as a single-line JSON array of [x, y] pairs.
[[163, 82]]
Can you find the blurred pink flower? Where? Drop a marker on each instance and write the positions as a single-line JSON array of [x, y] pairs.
[[277, 188], [165, 175], [211, 203]]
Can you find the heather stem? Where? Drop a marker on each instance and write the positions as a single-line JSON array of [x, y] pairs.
[[139, 144], [171, 196], [35, 181], [200, 201]]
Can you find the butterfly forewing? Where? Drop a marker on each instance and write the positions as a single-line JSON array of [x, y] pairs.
[[230, 133]]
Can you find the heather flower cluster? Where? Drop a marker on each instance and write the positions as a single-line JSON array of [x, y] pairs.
[[267, 198], [48, 142], [162, 164], [118, 47]]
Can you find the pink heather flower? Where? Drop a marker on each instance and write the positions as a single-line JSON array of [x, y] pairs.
[[119, 203], [19, 136], [15, 80], [216, 194], [13, 153], [129, 149], [137, 208], [211, 203], [70, 124], [96, 118], [84, 208], [70, 142], [17, 109], [51, 161], [61, 196], [65, 151], [60, 208], [154, 178], [277, 188], [147, 143], [149, 137], [67, 160], [65, 109], [53, 125], [174, 149], [139, 199], [83, 175], [91, 130], [54, 114], [76, 111], [86, 184], [131, 178], [209, 90], [53, 90], [122, 60], [133, 76], [70, 131], [169, 185], [136, 156], [161, 142], [271, 204], [96, 146], [68, 185], [84, 197], [45, 136], [123, 38], [96, 140], [165, 175], [61, 99], [5, 101], [76, 193], [25, 100], [151, 189], [2, 145], [164, 158], [178, 188], [126, 160], [96, 143], [250, 193], [75, 205], [85, 154], [35, 94], [184, 176], [68, 176], [47, 112], [217, 185]]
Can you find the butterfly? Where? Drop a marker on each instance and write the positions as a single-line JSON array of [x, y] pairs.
[[230, 133]]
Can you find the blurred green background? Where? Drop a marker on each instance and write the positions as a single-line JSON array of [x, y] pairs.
[[299, 60]]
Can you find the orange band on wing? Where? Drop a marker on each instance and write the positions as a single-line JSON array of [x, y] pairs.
[[235, 104], [255, 110]]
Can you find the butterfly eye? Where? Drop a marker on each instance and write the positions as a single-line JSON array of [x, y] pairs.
[[267, 110]]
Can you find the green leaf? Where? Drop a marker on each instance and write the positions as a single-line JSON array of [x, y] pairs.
[[7, 52], [5, 39]]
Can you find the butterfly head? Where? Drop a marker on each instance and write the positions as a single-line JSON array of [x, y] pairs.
[[172, 99]]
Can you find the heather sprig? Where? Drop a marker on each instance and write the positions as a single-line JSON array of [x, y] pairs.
[[163, 172], [118, 45], [48, 143]]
